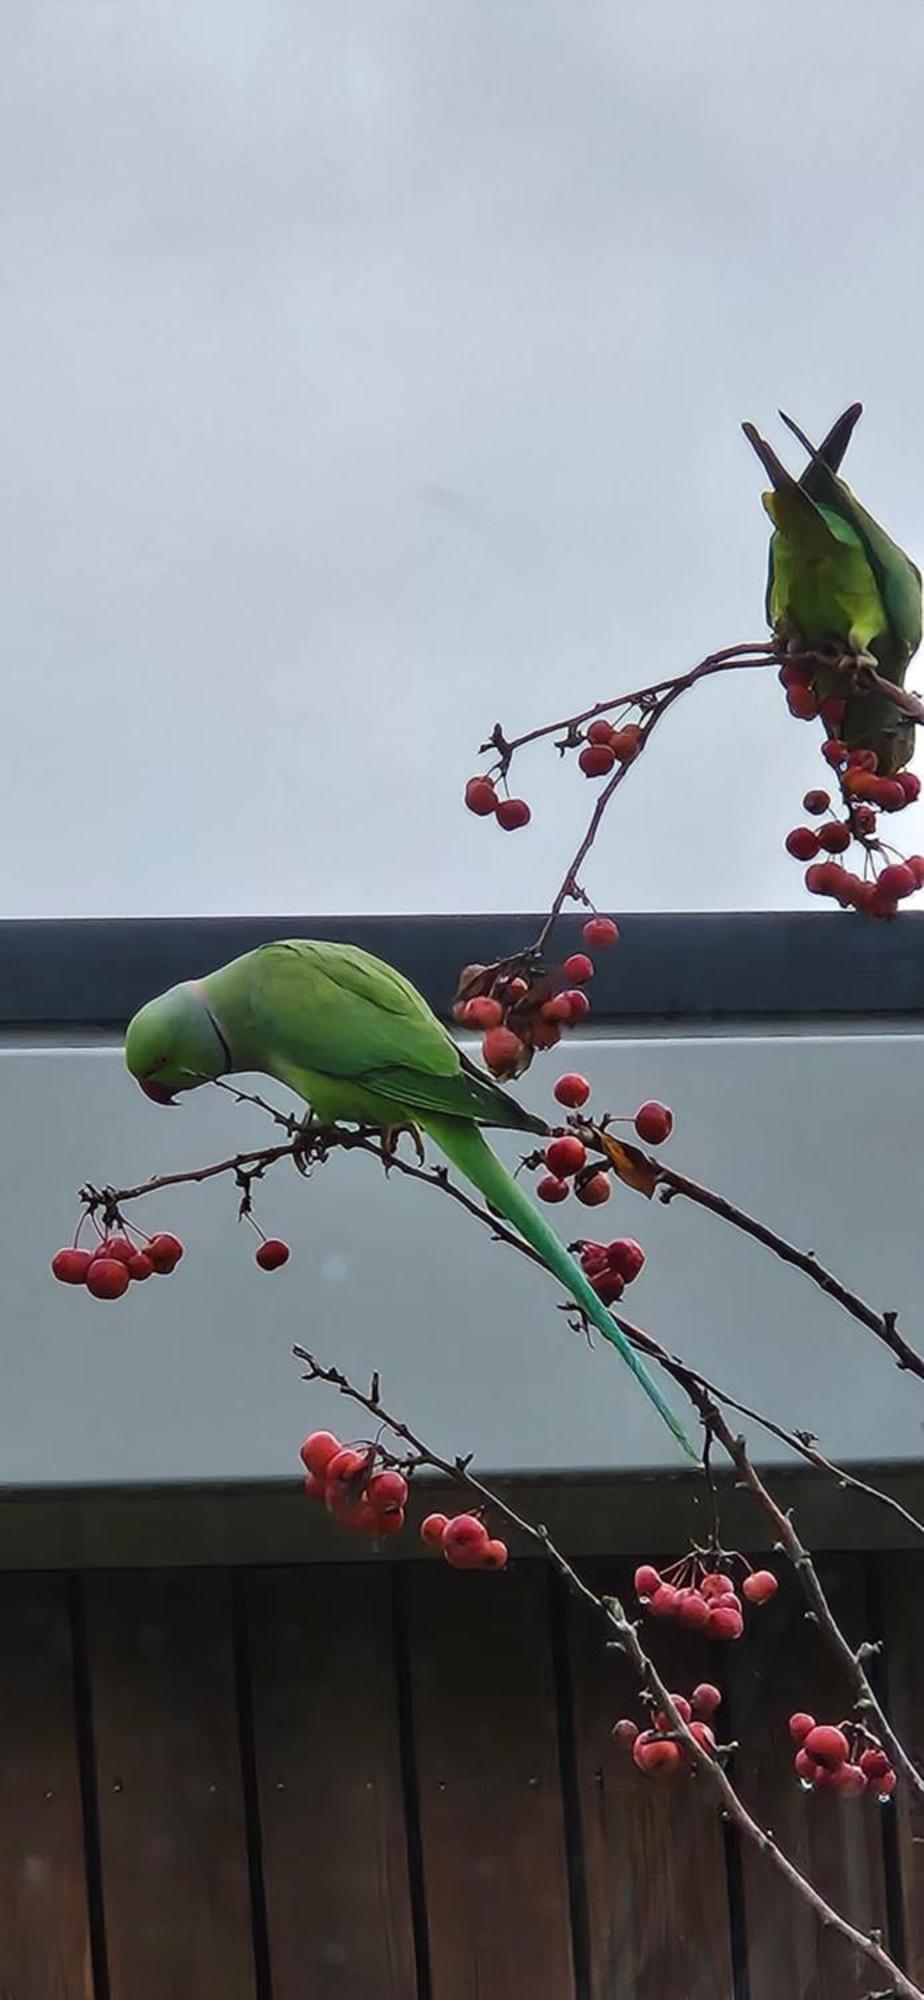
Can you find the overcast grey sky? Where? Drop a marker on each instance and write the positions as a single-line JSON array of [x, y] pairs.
[[373, 368]]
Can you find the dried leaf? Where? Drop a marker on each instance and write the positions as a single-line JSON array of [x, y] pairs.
[[632, 1166]]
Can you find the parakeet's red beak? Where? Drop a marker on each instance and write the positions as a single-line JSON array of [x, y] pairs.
[[157, 1092]]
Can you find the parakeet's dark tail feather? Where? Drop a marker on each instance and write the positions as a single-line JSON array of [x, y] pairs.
[[832, 448], [463, 1144], [781, 480]]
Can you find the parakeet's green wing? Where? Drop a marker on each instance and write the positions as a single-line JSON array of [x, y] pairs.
[[336, 1009], [898, 578]]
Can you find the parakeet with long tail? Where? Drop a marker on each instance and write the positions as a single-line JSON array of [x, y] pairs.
[[360, 1045], [838, 582]]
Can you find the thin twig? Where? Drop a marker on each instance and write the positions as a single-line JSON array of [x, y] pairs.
[[626, 1634]]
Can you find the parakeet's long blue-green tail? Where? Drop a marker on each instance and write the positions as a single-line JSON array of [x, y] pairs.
[[468, 1150]]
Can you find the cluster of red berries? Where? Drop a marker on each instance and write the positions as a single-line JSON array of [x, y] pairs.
[[568, 1165], [658, 1751], [611, 1266], [840, 1757], [602, 746], [464, 1541], [703, 1599], [116, 1262], [361, 1493], [865, 790], [519, 1014], [481, 798]]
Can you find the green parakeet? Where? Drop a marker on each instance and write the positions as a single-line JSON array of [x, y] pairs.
[[837, 580], [359, 1044]]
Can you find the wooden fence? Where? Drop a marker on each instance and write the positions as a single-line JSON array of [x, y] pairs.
[[390, 1782]]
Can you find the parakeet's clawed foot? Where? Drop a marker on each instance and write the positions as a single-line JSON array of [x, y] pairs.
[[392, 1133]]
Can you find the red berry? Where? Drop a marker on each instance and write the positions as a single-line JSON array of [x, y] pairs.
[[565, 1156], [795, 673], [864, 820], [355, 1513], [849, 1780], [593, 1259], [387, 1521], [896, 881], [513, 813], [317, 1450], [495, 1555], [910, 784], [661, 1720], [344, 1466], [816, 802], [703, 1735], [800, 1724], [834, 751], [578, 1004], [594, 1191], [835, 838], [465, 1531], [725, 1622], [693, 1611], [388, 1489], [482, 1012], [433, 1529], [916, 863], [572, 1090], [874, 1764], [885, 1786], [654, 1123], [760, 1586], [827, 1745], [716, 1584], [556, 1009], [272, 1254], [824, 878], [315, 1486], [480, 797], [502, 1050], [862, 760], [832, 709], [655, 1755], [625, 1732], [600, 731], [802, 702], [626, 1257], [550, 1189], [140, 1267], [663, 1602], [600, 933], [627, 742], [596, 759], [888, 794], [705, 1699], [107, 1278], [165, 1252], [70, 1267], [118, 1247], [806, 1768], [578, 968], [608, 1285], [802, 843], [646, 1580]]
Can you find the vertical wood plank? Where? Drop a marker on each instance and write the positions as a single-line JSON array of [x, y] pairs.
[[172, 1833], [326, 1739], [492, 1833], [901, 1590], [44, 1932], [782, 1664], [653, 1849]]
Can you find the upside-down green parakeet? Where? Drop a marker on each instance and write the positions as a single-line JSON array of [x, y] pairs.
[[837, 581], [359, 1044]]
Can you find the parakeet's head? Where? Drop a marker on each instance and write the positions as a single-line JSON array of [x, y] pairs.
[[174, 1043]]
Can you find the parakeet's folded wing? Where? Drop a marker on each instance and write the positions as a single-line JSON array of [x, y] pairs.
[[337, 1010], [898, 578]]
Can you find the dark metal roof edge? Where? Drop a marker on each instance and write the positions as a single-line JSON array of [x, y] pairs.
[[94, 971]]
